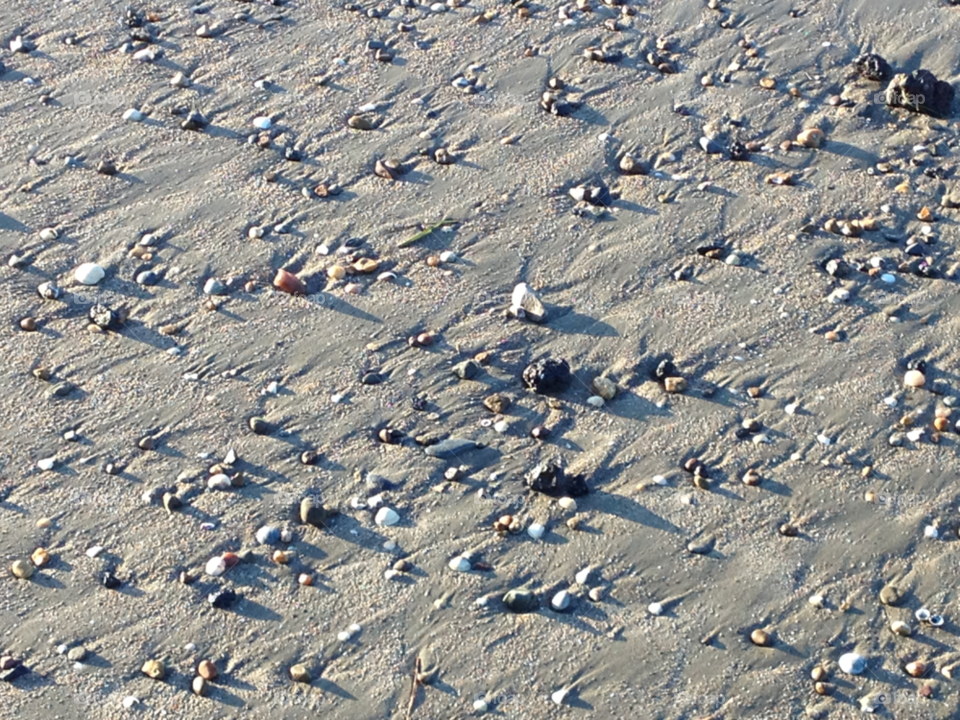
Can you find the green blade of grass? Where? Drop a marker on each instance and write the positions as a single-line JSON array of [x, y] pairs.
[[430, 229]]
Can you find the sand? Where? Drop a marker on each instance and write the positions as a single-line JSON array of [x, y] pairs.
[[613, 306]]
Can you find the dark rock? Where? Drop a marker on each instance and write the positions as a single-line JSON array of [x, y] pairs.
[[921, 92], [107, 167], [872, 67], [194, 121], [109, 580], [550, 479], [836, 267], [711, 147], [547, 375], [917, 364], [467, 370], [259, 425], [451, 447], [222, 599], [171, 502], [521, 601], [312, 513], [738, 151], [372, 378], [14, 673], [665, 369]]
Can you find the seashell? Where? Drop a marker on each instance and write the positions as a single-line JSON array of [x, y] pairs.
[[822, 688], [215, 566], [761, 638], [914, 379], [655, 608], [40, 557], [926, 215], [816, 600], [21, 569], [280, 557], [199, 686], [936, 620], [305, 579], [366, 265], [443, 156], [751, 477], [898, 627], [788, 530], [289, 283], [852, 663], [811, 137], [536, 530], [568, 503], [28, 324], [916, 668], [818, 673], [561, 601], [336, 272], [768, 83], [153, 669], [923, 615], [779, 178]]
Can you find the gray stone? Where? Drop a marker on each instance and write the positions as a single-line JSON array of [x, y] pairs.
[[467, 370], [521, 601], [451, 447]]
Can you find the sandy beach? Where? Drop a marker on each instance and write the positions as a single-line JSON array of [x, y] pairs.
[[744, 248]]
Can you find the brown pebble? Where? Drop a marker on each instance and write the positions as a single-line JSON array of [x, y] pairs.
[[788, 530], [336, 272], [424, 339], [941, 423], [207, 670], [250, 286], [754, 392], [29, 324], [145, 443], [926, 215], [761, 638], [433, 260], [823, 688], [768, 83], [289, 283], [41, 373]]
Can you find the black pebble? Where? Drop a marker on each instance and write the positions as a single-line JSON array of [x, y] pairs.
[[109, 580], [665, 369], [222, 599], [917, 364], [547, 375]]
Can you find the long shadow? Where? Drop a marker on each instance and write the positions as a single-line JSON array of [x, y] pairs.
[[629, 509], [567, 320]]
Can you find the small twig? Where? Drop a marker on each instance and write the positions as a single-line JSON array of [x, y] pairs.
[[430, 229], [413, 690]]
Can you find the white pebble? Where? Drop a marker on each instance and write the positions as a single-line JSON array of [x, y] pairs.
[[89, 274], [459, 564], [931, 532], [823, 439], [659, 480], [386, 517], [48, 234], [595, 400], [448, 256], [129, 702], [501, 426], [559, 696], [584, 575], [94, 551], [480, 706], [536, 530], [255, 232], [561, 601], [46, 463], [133, 115], [567, 503], [262, 123], [655, 608], [218, 482], [816, 600], [343, 636], [215, 566]]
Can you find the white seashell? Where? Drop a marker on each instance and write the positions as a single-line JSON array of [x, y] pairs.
[[659, 480], [536, 530], [386, 517], [816, 600], [94, 551], [480, 706], [931, 532], [255, 232], [595, 400], [46, 463], [561, 601], [459, 564], [391, 574], [923, 615], [501, 426], [852, 663], [89, 274], [145, 55], [180, 80], [262, 123], [567, 503], [129, 702], [448, 256], [936, 620], [655, 608], [584, 575], [792, 408], [823, 439], [215, 566], [559, 696], [343, 636], [133, 115], [375, 501], [48, 234]]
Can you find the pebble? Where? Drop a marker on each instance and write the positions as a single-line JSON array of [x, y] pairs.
[[268, 535], [77, 654], [459, 564], [386, 517], [199, 686], [561, 601], [536, 530], [914, 379], [154, 669], [521, 601], [852, 663], [89, 274], [133, 115], [262, 123], [21, 569]]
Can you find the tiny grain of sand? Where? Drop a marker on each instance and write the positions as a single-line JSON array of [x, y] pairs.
[[607, 278]]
